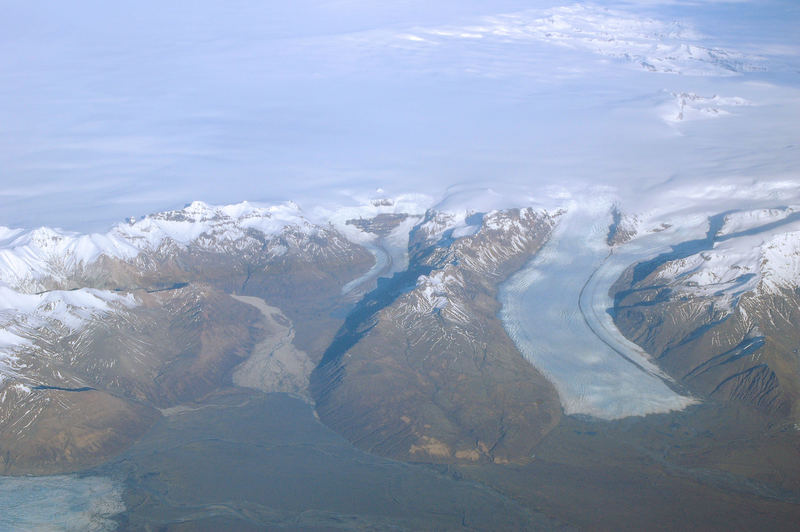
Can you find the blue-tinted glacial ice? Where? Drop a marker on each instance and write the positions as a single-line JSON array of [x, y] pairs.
[[62, 502], [555, 311]]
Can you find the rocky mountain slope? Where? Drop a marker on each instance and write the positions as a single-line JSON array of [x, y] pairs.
[[721, 313], [394, 309], [424, 370], [101, 331]]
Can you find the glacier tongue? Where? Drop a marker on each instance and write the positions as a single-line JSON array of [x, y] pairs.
[[542, 314], [595, 369]]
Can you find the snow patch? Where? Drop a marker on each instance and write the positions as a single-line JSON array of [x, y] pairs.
[[433, 289]]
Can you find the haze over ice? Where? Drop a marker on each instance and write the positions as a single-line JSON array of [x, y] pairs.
[[121, 109]]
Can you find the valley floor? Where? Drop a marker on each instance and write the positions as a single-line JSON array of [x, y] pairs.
[[242, 459], [251, 460]]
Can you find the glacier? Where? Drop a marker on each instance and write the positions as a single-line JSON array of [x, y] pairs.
[[73, 503], [681, 109], [541, 312]]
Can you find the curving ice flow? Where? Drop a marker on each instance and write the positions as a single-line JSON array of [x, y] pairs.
[[553, 311], [595, 300], [389, 250], [382, 262]]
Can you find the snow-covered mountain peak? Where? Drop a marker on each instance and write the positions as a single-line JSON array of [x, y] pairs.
[[202, 216], [780, 262], [508, 221], [42, 238], [198, 211], [459, 214], [738, 221], [48, 278], [755, 251], [228, 222], [44, 253], [442, 224]]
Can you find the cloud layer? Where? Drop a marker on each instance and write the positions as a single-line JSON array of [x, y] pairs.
[[110, 111]]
